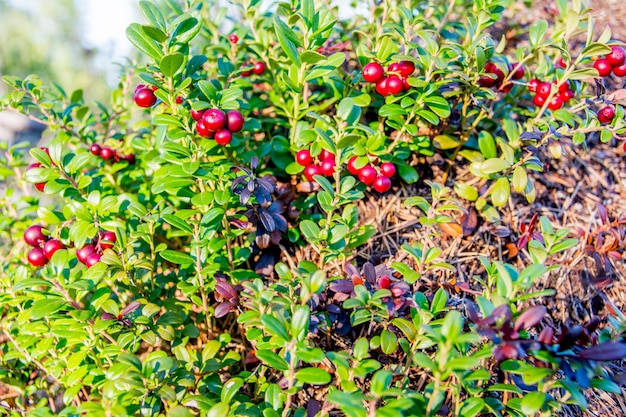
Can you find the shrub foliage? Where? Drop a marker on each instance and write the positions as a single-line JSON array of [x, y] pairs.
[[163, 280]]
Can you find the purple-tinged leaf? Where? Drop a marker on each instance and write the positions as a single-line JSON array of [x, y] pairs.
[[609, 351], [130, 308], [530, 317], [223, 309], [342, 285], [108, 316]]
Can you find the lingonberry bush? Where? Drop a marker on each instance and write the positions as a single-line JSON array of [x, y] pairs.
[[151, 269]]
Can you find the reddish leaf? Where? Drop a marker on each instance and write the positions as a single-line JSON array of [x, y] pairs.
[[530, 317]]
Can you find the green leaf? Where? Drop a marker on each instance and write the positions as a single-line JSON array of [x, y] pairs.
[[46, 307], [407, 173], [471, 407], [581, 74], [388, 342], [171, 64], [219, 410], [138, 37], [438, 105], [595, 49], [178, 223], [272, 359], [520, 179], [176, 257], [275, 327], [532, 402], [287, 40], [501, 192], [313, 376], [494, 165], [381, 382], [310, 230], [444, 142], [452, 325], [466, 191], [153, 14], [230, 388], [487, 145], [405, 327], [537, 31], [185, 31]]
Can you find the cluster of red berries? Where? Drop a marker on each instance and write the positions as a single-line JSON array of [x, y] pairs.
[[43, 246], [495, 76], [396, 79], [91, 253], [109, 154], [368, 174], [613, 62], [214, 123], [144, 95], [258, 68], [325, 163], [542, 91]]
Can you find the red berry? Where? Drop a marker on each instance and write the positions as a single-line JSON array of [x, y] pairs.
[[499, 74], [532, 85], [326, 155], [312, 170], [34, 165], [407, 68], [384, 282], [603, 67], [85, 252], [130, 158], [202, 130], [620, 71], [519, 73], [616, 57], [351, 168], [544, 89], [393, 68], [234, 121], [508, 87], [606, 114], [107, 240], [486, 81], [153, 87], [233, 38], [373, 72], [382, 88], [304, 157], [567, 95], [223, 137], [562, 63], [139, 87], [246, 73], [259, 68], [51, 246], [41, 186], [488, 67], [145, 97], [556, 103], [34, 235], [539, 100], [382, 184], [196, 114], [36, 257], [214, 119], [95, 149], [405, 84], [93, 259], [394, 85], [106, 153], [388, 169], [179, 100], [327, 167], [367, 175]]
